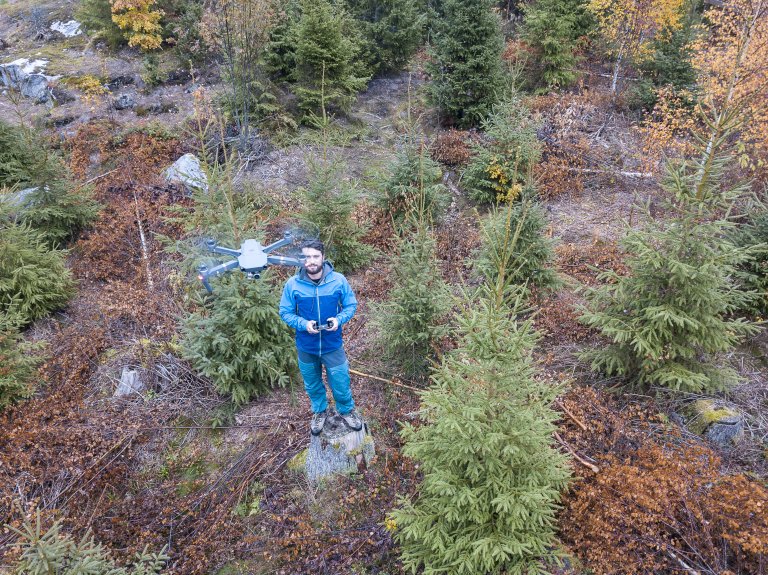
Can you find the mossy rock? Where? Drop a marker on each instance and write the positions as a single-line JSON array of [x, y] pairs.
[[299, 461], [717, 422]]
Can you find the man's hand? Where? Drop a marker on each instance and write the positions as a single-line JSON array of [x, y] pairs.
[[333, 324], [312, 327]]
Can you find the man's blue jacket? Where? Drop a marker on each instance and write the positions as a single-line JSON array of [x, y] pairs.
[[304, 301]]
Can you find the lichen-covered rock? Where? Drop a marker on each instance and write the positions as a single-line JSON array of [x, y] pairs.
[[124, 102], [719, 423], [35, 87], [188, 172]]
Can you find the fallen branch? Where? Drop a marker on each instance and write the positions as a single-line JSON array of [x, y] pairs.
[[609, 172], [576, 420], [682, 563], [144, 251], [585, 463], [390, 381], [99, 177]]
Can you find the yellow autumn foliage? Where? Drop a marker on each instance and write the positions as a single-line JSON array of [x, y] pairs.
[[140, 22], [630, 25], [730, 56]]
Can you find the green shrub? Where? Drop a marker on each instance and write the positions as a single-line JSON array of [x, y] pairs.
[[466, 74], [17, 361], [34, 280], [238, 339], [409, 323], [501, 164], [414, 179], [514, 241], [491, 477], [669, 321], [49, 552]]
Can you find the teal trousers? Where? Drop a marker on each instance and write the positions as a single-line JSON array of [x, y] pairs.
[[337, 375]]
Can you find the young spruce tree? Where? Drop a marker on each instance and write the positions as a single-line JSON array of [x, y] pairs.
[[17, 361], [514, 241], [466, 72], [409, 322], [393, 29], [234, 337], [414, 183], [239, 340], [52, 551], [492, 479], [328, 72], [329, 201], [552, 28], [34, 280], [670, 319], [54, 204], [753, 274], [501, 164]]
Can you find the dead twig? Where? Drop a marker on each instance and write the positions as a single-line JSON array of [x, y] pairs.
[[575, 419], [381, 379], [585, 463]]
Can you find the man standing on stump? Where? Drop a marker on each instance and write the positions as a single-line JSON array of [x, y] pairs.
[[316, 302]]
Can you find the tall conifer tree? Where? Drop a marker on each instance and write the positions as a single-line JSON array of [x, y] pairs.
[[492, 479], [466, 69]]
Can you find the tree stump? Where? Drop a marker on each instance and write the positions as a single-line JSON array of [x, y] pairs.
[[338, 449]]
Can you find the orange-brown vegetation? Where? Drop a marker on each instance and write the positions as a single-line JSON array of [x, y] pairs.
[[452, 147], [585, 262], [730, 56], [557, 314], [570, 124], [659, 500]]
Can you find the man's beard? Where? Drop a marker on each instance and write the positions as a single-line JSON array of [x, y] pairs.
[[313, 269]]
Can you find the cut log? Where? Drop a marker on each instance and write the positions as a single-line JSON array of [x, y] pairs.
[[338, 449]]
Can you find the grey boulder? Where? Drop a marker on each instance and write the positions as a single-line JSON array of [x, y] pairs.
[[187, 172]]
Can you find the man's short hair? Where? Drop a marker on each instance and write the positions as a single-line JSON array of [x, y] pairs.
[[315, 245]]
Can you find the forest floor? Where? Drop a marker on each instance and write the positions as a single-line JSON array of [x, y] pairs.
[[149, 470]]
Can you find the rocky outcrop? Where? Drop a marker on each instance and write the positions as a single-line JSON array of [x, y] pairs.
[[33, 86]]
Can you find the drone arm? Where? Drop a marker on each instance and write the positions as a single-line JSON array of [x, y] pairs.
[[225, 251], [283, 261], [287, 239], [204, 274]]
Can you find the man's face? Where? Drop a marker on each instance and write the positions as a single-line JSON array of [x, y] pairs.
[[313, 260]]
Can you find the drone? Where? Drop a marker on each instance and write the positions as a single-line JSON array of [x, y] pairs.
[[252, 258]]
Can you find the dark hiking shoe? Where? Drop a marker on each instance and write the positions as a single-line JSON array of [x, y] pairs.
[[352, 419], [317, 423]]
